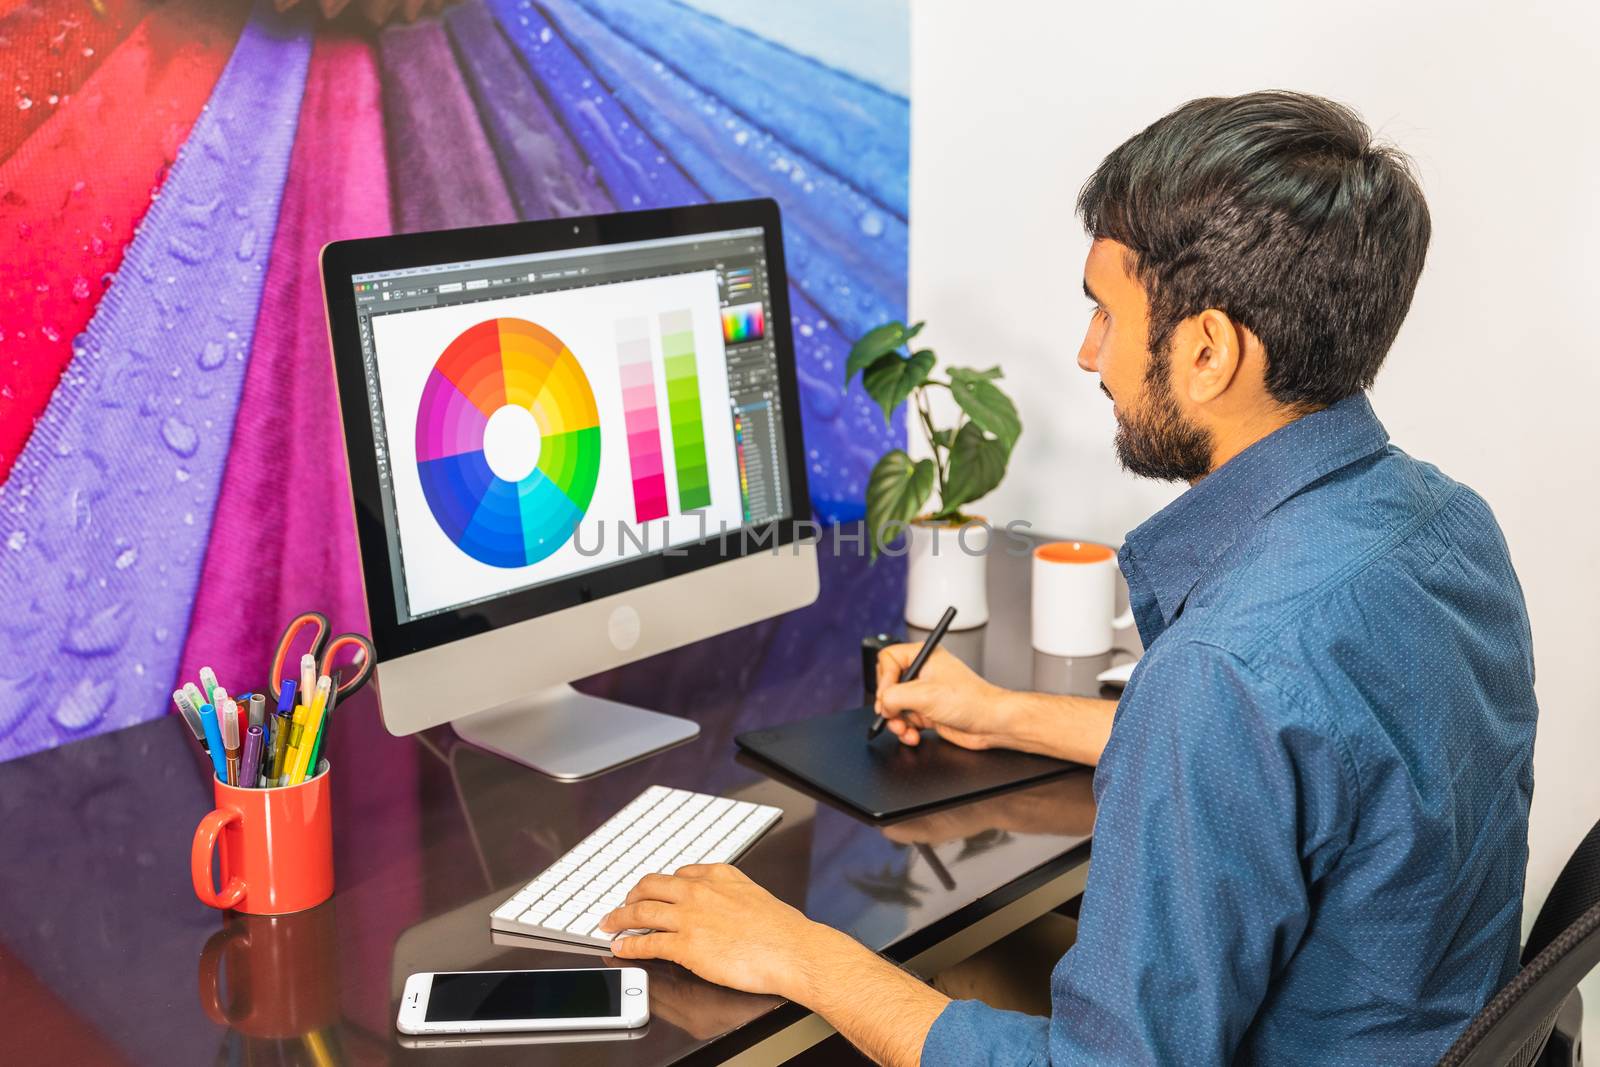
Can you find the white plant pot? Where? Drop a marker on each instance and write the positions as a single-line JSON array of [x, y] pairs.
[[947, 565]]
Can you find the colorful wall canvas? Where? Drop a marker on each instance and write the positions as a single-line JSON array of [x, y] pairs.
[[172, 479]]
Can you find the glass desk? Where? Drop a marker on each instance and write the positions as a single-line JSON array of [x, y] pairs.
[[106, 956]]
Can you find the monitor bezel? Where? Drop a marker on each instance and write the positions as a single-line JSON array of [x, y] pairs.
[[342, 260]]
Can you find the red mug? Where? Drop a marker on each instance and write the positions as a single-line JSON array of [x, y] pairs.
[[277, 847]]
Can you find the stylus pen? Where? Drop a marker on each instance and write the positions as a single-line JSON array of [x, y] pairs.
[[912, 671]]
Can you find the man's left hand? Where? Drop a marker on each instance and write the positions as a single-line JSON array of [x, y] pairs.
[[719, 924]]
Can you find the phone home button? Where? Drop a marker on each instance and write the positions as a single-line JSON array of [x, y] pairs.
[[634, 991]]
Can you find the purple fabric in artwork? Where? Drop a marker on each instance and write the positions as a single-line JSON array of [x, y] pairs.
[[547, 176], [283, 540], [105, 517], [442, 171]]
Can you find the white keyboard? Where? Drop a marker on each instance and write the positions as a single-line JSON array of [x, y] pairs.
[[661, 830]]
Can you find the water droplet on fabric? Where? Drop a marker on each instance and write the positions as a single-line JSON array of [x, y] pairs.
[[17, 541], [180, 436], [84, 705], [212, 355], [96, 634]]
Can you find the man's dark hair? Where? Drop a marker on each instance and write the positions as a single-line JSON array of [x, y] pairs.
[[1280, 210]]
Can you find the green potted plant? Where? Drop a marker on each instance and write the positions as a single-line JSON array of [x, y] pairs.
[[947, 547]]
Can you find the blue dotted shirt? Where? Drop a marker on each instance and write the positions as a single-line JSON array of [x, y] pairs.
[[1313, 808]]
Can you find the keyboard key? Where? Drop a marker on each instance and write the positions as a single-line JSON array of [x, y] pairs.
[[511, 909]]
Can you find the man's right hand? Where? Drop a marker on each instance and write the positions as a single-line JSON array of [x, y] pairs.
[[950, 697], [947, 696]]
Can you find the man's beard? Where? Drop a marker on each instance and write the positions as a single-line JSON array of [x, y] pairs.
[[1154, 440]]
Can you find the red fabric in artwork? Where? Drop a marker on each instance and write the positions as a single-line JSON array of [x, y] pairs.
[[48, 49], [73, 192]]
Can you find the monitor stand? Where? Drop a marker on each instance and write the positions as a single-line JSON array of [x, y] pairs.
[[570, 735]]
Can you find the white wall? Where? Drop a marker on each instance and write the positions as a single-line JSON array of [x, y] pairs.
[[1495, 376]]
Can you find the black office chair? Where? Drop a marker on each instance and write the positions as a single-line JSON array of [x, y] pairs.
[[1514, 1029]]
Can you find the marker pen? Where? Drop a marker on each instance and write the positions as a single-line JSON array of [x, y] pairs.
[[281, 722], [190, 713], [208, 679], [308, 735], [258, 709], [308, 678], [208, 722], [228, 717], [250, 761]]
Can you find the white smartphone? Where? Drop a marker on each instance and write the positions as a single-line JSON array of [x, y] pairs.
[[489, 1002]]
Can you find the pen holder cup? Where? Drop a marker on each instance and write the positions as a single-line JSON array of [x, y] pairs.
[[276, 847], [280, 972]]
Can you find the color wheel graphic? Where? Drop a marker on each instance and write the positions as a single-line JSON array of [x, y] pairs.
[[490, 365]]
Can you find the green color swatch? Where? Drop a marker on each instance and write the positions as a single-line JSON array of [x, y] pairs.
[[683, 409]]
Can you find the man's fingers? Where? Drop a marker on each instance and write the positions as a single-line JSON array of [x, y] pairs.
[[914, 696], [644, 946], [656, 887], [646, 914], [717, 871], [892, 662]]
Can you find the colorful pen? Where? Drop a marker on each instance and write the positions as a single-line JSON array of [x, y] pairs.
[[280, 731], [297, 734], [327, 717], [308, 678], [208, 681], [258, 709], [190, 713], [228, 717], [208, 722], [250, 761], [313, 725]]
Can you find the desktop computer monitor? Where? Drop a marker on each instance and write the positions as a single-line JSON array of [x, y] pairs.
[[572, 444]]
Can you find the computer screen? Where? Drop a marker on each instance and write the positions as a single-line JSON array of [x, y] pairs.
[[540, 416]]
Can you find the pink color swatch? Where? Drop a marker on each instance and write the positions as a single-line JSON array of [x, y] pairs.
[[640, 417]]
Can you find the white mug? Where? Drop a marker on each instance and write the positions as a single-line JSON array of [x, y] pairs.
[[1074, 598]]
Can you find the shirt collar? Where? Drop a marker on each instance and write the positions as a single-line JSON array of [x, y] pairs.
[[1167, 555]]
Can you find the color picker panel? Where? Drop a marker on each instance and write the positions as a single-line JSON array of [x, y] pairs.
[[743, 322], [641, 419], [683, 409]]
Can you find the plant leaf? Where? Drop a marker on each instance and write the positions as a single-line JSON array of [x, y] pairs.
[[944, 438], [891, 379], [877, 343], [977, 463], [986, 405], [896, 490]]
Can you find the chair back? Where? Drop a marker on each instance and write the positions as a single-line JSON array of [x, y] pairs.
[[1563, 947]]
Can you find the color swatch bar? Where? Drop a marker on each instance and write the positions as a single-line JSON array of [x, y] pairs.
[[639, 415], [683, 407], [744, 473], [743, 322]]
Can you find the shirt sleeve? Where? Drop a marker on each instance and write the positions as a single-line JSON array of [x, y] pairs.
[[1218, 801]]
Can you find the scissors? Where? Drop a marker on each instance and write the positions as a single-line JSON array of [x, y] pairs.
[[325, 650]]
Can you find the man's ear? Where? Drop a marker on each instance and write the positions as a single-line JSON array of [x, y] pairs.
[[1210, 348]]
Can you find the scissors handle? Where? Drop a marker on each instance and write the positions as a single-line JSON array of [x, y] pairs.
[[319, 623], [356, 673]]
